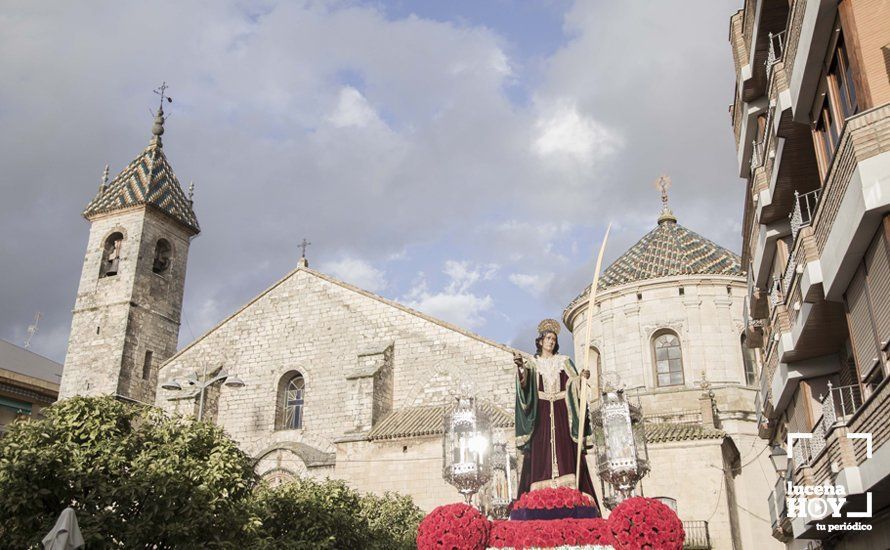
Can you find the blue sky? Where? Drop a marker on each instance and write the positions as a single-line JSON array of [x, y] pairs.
[[463, 158]]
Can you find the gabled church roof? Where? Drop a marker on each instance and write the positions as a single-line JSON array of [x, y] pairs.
[[148, 180], [668, 250]]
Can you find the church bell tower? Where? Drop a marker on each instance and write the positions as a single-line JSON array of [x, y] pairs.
[[126, 316]]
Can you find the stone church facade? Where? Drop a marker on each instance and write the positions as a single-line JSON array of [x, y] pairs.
[[340, 382], [376, 377]]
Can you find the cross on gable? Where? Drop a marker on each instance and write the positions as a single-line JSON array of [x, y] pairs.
[[304, 245]]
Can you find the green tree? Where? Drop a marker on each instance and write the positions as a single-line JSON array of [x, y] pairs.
[[135, 477], [306, 513], [392, 520]]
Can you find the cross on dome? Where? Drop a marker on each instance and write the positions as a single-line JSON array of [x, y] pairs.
[[663, 183]]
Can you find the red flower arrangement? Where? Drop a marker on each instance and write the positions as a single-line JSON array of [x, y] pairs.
[[646, 524], [560, 497], [550, 533], [453, 527]]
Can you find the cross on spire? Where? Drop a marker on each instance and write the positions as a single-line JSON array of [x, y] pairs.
[[304, 245], [162, 91], [663, 183]]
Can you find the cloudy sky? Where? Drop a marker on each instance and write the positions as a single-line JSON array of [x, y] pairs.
[[460, 157]]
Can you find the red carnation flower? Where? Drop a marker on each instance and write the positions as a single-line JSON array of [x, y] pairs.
[[453, 526]]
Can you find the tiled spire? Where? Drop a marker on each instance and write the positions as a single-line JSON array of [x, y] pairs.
[[148, 180]]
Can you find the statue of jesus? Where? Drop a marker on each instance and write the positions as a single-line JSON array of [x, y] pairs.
[[547, 390]]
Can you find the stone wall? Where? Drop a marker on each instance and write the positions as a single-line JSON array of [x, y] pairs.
[[118, 318], [707, 316], [360, 355]]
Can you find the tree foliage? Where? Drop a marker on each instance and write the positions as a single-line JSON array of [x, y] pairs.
[[307, 513], [135, 477], [138, 478]]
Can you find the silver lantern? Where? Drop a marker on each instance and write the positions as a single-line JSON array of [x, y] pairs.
[[466, 449], [504, 478], [620, 439]]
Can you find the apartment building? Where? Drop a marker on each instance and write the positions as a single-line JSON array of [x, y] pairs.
[[811, 116]]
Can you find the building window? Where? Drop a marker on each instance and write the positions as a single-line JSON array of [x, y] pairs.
[[668, 358], [842, 75], [597, 370], [111, 254], [839, 102], [146, 365], [749, 359], [868, 310], [162, 256], [292, 403]]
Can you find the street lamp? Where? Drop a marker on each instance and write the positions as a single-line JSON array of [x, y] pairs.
[[466, 447], [622, 458], [779, 458], [199, 387]]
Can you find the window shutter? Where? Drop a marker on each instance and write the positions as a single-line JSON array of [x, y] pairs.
[[859, 320], [878, 266]]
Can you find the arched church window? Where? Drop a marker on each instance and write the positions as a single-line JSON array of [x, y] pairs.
[[111, 254], [292, 403], [597, 362], [163, 252], [668, 358], [749, 359]]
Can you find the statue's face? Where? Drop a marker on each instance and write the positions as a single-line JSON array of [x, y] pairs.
[[549, 342]]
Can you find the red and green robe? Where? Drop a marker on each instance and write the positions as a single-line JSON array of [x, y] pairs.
[[547, 425]]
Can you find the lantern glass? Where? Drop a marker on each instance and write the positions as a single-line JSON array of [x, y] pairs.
[[620, 439], [466, 450], [504, 478]]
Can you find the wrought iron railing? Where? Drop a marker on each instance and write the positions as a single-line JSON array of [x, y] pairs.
[[804, 210], [697, 535], [839, 404], [776, 49], [788, 276], [775, 291], [756, 154]]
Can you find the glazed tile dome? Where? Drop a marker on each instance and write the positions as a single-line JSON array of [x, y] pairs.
[[668, 250]]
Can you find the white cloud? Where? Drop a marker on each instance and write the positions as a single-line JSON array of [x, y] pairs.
[[534, 284], [356, 272], [462, 309], [463, 275], [352, 110], [562, 131], [455, 303]]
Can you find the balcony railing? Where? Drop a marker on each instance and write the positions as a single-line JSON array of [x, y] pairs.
[[839, 405], [776, 49], [776, 296], [804, 209], [788, 276], [697, 535], [756, 154]]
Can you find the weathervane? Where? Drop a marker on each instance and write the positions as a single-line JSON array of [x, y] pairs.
[[663, 183], [158, 129], [162, 91]]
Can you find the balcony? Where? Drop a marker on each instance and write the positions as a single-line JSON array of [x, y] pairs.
[[788, 376], [697, 535], [855, 196], [778, 512]]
